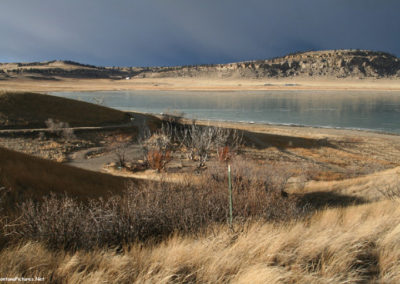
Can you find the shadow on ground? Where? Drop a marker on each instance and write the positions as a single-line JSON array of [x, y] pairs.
[[321, 200], [264, 140]]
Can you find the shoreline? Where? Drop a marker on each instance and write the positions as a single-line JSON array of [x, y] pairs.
[[289, 130], [274, 125], [200, 84]]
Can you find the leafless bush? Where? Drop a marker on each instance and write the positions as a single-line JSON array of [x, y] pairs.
[[247, 174], [68, 133], [154, 210], [173, 119], [60, 222], [157, 147], [119, 145], [61, 129], [201, 141]]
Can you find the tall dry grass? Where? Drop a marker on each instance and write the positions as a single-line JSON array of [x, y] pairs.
[[359, 244]]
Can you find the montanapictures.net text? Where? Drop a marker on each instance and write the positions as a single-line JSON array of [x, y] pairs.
[[21, 279]]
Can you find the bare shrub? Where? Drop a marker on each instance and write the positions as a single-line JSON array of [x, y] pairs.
[[155, 210], [157, 147], [119, 144], [173, 119], [202, 141], [61, 223], [199, 142], [61, 129], [258, 190]]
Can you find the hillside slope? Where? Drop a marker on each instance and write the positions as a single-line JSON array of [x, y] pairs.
[[31, 110], [26, 176], [52, 70]]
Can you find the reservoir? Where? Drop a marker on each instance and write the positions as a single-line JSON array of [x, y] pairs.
[[366, 110]]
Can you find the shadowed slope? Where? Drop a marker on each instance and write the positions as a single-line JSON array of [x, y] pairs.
[[30, 110], [31, 177]]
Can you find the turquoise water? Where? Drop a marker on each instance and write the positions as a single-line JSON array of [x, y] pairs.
[[369, 110]]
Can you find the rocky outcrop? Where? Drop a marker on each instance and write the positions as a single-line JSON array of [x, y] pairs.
[[332, 63]]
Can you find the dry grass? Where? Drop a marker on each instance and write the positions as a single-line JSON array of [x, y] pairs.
[[353, 245], [31, 177], [370, 187], [16, 111]]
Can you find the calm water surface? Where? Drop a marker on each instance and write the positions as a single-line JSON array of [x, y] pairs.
[[372, 110]]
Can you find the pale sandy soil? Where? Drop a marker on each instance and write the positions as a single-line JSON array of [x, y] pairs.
[[197, 84]]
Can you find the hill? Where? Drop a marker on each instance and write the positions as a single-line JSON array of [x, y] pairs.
[[330, 64], [26, 176], [31, 110], [324, 64], [51, 70]]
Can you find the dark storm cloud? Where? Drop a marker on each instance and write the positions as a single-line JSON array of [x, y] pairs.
[[174, 32]]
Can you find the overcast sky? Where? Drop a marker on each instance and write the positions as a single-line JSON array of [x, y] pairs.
[[177, 32]]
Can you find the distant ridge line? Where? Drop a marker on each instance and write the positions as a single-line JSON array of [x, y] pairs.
[[341, 63]]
